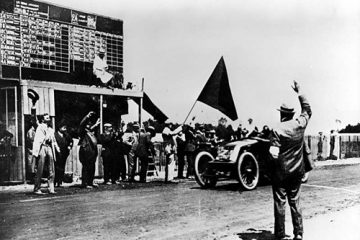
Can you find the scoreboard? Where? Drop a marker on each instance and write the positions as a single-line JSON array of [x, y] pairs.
[[40, 41]]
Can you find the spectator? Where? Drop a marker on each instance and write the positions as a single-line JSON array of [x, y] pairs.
[[64, 142], [332, 145], [320, 146], [88, 151], [107, 140], [170, 149], [190, 148], [101, 71], [145, 148], [118, 150], [30, 135], [221, 130], [130, 143], [44, 148], [180, 142], [251, 128]]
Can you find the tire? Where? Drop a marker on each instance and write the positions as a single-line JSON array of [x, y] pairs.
[[201, 167], [248, 171], [305, 178]]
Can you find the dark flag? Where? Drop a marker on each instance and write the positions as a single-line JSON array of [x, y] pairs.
[[151, 108], [216, 92]]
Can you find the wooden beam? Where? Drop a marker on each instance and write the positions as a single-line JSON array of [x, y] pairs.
[[81, 88]]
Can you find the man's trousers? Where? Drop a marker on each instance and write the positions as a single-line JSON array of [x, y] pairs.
[[289, 189], [45, 157]]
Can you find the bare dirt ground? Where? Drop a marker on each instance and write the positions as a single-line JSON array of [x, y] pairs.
[[168, 211]]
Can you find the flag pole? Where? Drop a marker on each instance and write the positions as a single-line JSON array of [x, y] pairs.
[[190, 111]]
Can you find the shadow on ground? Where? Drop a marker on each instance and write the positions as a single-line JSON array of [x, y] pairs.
[[253, 234]]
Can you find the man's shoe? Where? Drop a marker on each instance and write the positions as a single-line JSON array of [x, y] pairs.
[[95, 185], [39, 192], [52, 192], [298, 237]]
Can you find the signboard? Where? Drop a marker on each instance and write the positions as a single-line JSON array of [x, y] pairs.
[[40, 41]]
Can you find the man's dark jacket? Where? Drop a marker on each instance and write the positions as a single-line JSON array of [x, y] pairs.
[[289, 137]]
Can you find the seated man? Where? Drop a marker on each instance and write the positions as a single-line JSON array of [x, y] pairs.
[[101, 70]]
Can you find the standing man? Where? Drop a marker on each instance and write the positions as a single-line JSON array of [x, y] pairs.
[[107, 140], [180, 142], [88, 150], [170, 149], [130, 143], [64, 142], [44, 152], [287, 142], [144, 149], [29, 141]]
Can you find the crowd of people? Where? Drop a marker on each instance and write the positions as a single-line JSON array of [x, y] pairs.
[[125, 151]]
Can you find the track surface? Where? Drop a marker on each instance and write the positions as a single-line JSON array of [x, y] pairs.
[[166, 211]]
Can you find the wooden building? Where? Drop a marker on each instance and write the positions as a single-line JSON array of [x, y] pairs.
[[51, 49]]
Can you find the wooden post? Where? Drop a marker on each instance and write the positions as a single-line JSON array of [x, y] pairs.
[[141, 102], [101, 114], [23, 152]]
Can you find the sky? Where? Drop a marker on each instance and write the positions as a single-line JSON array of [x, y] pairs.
[[175, 45]]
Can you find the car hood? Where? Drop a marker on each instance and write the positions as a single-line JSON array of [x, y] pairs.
[[241, 143]]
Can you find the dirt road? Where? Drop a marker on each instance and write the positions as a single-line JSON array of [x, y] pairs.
[[166, 211]]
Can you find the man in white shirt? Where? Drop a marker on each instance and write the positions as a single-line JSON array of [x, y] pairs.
[[100, 68], [44, 148]]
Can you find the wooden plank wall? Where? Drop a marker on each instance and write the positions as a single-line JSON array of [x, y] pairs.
[[45, 104]]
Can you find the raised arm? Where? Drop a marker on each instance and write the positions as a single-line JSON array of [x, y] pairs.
[[306, 112]]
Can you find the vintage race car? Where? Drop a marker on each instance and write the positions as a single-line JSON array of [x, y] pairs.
[[246, 160]]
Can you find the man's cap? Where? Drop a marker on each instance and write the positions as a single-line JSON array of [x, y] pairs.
[[62, 123], [33, 95], [46, 117], [286, 109], [108, 125], [151, 128]]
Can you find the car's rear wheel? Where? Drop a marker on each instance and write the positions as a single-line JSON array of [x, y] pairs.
[[203, 175], [248, 171]]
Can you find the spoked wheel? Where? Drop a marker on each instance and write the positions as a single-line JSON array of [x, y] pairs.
[[203, 175], [248, 171]]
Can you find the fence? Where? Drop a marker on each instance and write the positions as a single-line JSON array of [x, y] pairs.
[[345, 146]]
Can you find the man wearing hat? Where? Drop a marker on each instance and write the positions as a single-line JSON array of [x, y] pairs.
[[107, 139], [64, 142], [130, 140], [100, 67], [287, 143], [44, 152], [108, 78], [88, 150], [144, 149]]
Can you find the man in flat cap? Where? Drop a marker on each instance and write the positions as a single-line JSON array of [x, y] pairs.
[[130, 140], [107, 139], [287, 143]]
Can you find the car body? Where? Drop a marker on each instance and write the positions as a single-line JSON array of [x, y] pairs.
[[245, 160]]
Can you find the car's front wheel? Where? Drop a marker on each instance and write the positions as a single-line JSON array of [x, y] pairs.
[[248, 171], [203, 175]]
